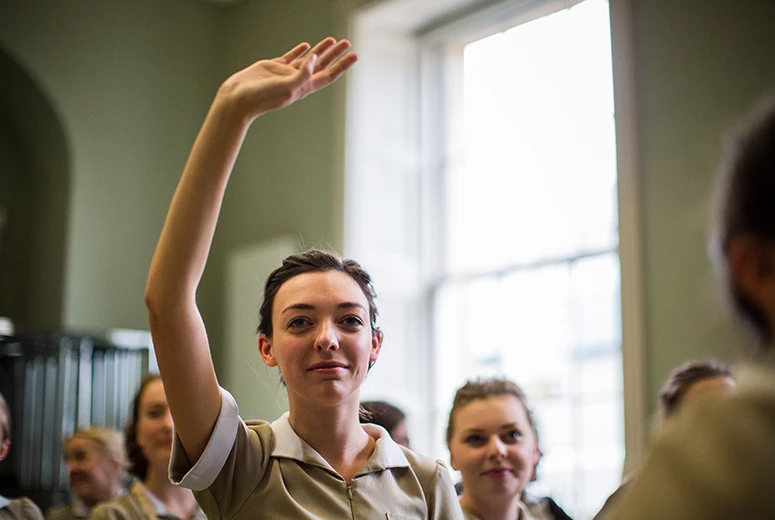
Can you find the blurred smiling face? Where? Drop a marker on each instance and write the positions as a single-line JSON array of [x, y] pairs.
[[494, 448], [93, 476], [154, 425]]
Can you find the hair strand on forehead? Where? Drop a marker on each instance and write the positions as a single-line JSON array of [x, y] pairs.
[[314, 261]]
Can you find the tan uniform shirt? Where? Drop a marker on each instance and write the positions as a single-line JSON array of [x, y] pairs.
[[19, 509], [523, 514], [259, 470], [75, 510], [137, 504], [715, 461]]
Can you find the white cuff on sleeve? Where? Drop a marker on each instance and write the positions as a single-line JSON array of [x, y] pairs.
[[204, 472]]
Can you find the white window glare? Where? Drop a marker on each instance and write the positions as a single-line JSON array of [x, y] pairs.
[[528, 284]]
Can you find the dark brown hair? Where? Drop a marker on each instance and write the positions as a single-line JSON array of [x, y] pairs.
[[477, 389], [684, 377], [381, 413], [745, 195], [313, 261], [138, 464]]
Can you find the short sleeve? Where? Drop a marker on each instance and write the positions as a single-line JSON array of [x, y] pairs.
[[442, 500], [30, 510], [232, 465]]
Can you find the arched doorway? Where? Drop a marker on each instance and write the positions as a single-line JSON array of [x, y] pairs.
[[35, 170]]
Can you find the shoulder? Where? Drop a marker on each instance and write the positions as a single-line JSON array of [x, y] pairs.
[[64, 512], [436, 481], [29, 509], [422, 463], [124, 507], [724, 447], [24, 508]]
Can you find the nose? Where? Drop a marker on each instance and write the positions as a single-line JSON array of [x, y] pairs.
[[496, 448], [326, 338], [167, 421]]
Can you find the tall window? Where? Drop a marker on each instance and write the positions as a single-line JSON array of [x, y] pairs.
[[528, 278], [503, 259]]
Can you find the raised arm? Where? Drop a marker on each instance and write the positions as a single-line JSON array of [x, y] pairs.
[[179, 336]]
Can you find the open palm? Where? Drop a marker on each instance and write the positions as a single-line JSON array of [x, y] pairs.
[[270, 84]]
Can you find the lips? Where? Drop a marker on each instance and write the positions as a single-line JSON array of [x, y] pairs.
[[498, 472], [327, 366]]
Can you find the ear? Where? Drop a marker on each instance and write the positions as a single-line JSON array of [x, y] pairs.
[[5, 447], [376, 345], [536, 456], [265, 349], [452, 461], [751, 269]]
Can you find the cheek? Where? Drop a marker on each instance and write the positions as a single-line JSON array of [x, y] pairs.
[[522, 457], [469, 459]]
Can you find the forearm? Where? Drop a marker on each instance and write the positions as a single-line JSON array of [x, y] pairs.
[[179, 336]]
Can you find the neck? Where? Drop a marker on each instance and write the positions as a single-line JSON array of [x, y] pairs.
[[492, 508], [108, 494], [335, 433], [179, 501]]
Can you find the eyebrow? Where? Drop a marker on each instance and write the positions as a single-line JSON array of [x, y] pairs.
[[310, 307], [506, 426]]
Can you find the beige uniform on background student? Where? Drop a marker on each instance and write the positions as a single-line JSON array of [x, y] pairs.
[[317, 325]]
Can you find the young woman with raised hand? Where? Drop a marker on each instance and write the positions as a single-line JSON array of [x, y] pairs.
[[492, 442], [317, 325]]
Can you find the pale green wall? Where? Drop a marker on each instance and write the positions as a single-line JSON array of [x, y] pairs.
[[130, 82], [698, 65]]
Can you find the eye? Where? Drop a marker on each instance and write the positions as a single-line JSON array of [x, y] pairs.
[[512, 437], [156, 412], [352, 321], [299, 323], [475, 440]]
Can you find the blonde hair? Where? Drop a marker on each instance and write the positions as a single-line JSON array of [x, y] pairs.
[[110, 443]]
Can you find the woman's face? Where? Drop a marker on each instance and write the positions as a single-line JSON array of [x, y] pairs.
[[322, 338], [93, 476], [154, 425], [494, 448]]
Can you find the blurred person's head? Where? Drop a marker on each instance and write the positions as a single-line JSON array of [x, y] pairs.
[[492, 442], [693, 381], [745, 227], [389, 417], [149, 432], [96, 464]]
